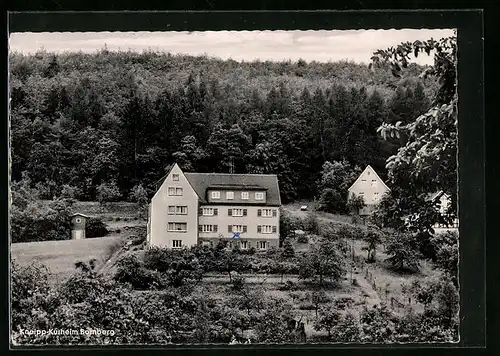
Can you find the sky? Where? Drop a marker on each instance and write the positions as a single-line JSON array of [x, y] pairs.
[[322, 46]]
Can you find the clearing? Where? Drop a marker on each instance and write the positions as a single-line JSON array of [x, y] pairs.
[[60, 256]]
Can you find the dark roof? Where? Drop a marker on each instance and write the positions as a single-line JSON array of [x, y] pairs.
[[269, 182], [434, 196], [79, 214]]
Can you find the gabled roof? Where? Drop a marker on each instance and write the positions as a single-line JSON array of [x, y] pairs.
[[80, 214], [202, 181], [436, 195], [375, 172]]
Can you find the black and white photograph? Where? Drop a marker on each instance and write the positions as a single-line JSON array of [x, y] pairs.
[[234, 187]]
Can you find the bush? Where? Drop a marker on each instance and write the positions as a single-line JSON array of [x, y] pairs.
[[95, 227], [108, 192], [312, 224], [130, 270], [41, 222], [68, 191], [238, 282], [288, 286], [303, 239]]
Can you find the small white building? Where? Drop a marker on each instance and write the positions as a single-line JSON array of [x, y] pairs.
[[369, 186]]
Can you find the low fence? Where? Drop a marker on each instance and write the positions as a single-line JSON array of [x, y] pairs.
[[396, 303]]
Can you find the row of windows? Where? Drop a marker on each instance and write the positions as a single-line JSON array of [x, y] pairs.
[[178, 192], [373, 183], [375, 195], [230, 195], [182, 227], [238, 212], [261, 245], [183, 210]]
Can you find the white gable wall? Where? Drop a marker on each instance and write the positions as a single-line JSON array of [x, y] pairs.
[[160, 217], [370, 186]]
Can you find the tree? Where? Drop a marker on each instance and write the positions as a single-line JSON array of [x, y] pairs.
[[322, 261], [403, 252], [336, 177], [427, 160], [355, 204], [328, 319], [108, 192], [372, 239], [139, 195], [318, 297], [288, 250]]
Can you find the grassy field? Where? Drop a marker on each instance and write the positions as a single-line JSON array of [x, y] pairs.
[[60, 256]]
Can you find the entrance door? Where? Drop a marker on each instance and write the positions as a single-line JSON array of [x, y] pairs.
[[78, 234]]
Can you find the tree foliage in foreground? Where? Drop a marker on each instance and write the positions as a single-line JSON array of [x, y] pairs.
[[427, 160]]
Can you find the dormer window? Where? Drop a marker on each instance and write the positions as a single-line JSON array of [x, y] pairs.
[[175, 177], [259, 196], [215, 195], [229, 195]]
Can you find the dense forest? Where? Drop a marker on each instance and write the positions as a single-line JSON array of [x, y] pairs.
[[117, 119]]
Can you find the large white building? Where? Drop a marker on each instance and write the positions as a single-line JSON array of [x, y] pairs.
[[203, 208]]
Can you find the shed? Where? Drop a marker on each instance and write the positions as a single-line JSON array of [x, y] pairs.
[[78, 223]]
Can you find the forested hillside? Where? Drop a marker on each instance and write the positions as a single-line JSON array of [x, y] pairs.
[[117, 119]]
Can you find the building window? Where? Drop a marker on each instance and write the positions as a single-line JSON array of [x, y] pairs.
[[177, 210], [206, 243], [267, 213], [237, 212], [262, 245], [173, 191], [259, 196], [178, 227], [375, 196], [243, 245], [176, 243], [208, 228], [209, 211], [244, 195], [175, 177], [363, 181], [215, 195], [230, 195], [361, 194], [239, 228], [265, 229]]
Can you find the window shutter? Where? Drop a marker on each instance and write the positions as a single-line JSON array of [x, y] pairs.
[[259, 212], [274, 228], [259, 228], [200, 211], [229, 212], [229, 228], [215, 228], [275, 213], [244, 228], [244, 212], [216, 211], [200, 228]]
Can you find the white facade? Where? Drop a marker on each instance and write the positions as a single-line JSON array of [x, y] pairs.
[[180, 216], [369, 186], [167, 228]]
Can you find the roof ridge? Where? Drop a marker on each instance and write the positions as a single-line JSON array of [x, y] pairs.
[[234, 174]]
